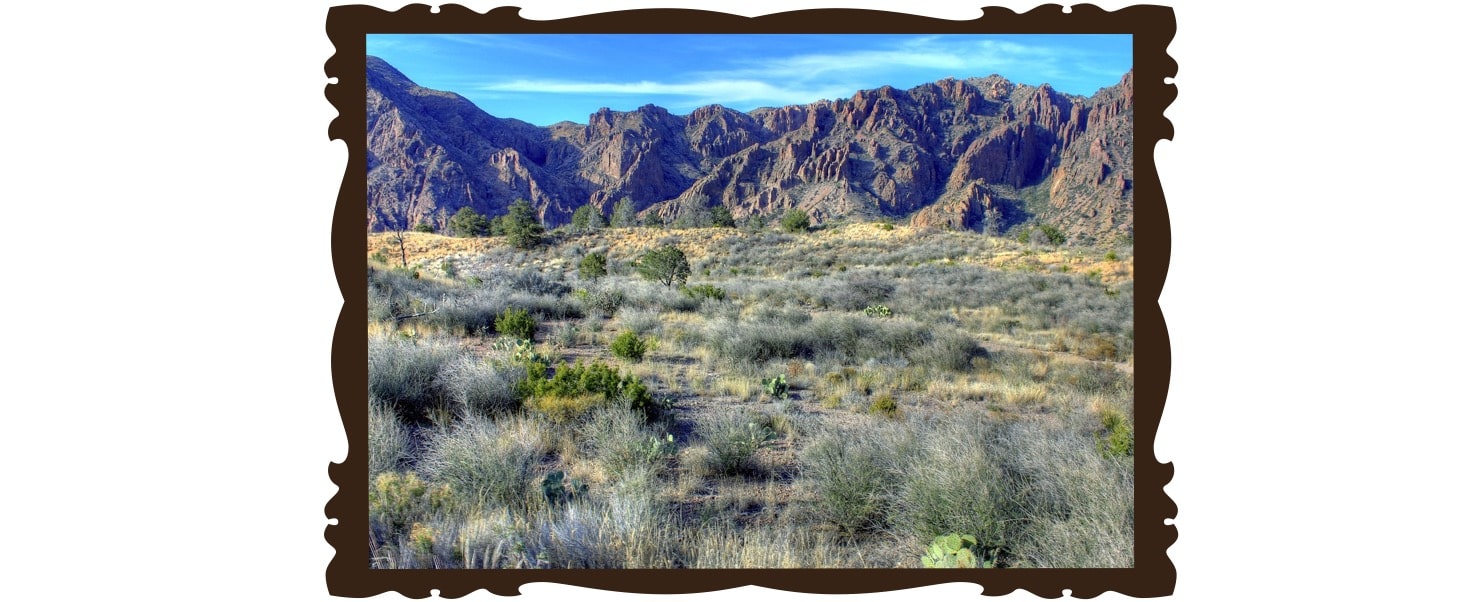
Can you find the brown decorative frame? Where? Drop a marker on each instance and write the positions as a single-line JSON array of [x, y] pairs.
[[1152, 27]]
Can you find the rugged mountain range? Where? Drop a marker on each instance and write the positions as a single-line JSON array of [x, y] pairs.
[[938, 154]]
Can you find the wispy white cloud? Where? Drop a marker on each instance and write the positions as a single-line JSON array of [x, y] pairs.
[[507, 42], [711, 91], [964, 56], [745, 73]]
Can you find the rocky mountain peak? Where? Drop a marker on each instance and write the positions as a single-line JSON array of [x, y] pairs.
[[941, 153]]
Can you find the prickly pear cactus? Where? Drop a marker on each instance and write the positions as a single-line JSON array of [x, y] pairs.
[[951, 551], [777, 386]]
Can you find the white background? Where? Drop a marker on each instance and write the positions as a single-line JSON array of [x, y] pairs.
[[170, 299]]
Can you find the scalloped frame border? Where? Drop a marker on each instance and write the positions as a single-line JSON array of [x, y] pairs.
[[1152, 27]]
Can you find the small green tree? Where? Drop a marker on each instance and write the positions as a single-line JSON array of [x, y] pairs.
[[587, 218], [795, 221], [628, 345], [468, 223], [624, 214], [424, 228], [652, 220], [1053, 234], [520, 226], [722, 217], [667, 265], [593, 266]]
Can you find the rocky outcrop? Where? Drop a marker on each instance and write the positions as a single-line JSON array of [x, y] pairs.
[[939, 154]]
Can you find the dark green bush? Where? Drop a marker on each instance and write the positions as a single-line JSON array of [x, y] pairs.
[[587, 218], [722, 217], [884, 405], [705, 291], [593, 266], [580, 380], [795, 221], [468, 223], [1117, 438], [628, 345], [516, 323]]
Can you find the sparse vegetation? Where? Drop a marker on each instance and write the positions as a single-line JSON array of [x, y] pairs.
[[843, 399], [732, 439]]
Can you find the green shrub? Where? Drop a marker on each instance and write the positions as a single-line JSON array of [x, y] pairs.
[[577, 388], [593, 266], [704, 291], [879, 311], [722, 217], [628, 345], [379, 257], [587, 218], [623, 214], [516, 323], [468, 223], [1042, 234], [884, 405], [424, 228], [795, 221], [1111, 256], [1116, 440], [448, 268]]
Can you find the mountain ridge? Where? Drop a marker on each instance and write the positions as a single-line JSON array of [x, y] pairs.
[[939, 154]]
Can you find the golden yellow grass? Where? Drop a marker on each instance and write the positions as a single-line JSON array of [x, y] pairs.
[[429, 250]]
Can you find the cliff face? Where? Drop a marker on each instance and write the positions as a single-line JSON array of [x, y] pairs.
[[939, 154]]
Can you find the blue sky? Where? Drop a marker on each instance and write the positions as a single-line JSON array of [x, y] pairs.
[[546, 78]]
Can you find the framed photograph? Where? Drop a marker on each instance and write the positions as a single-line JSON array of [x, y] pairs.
[[673, 301]]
